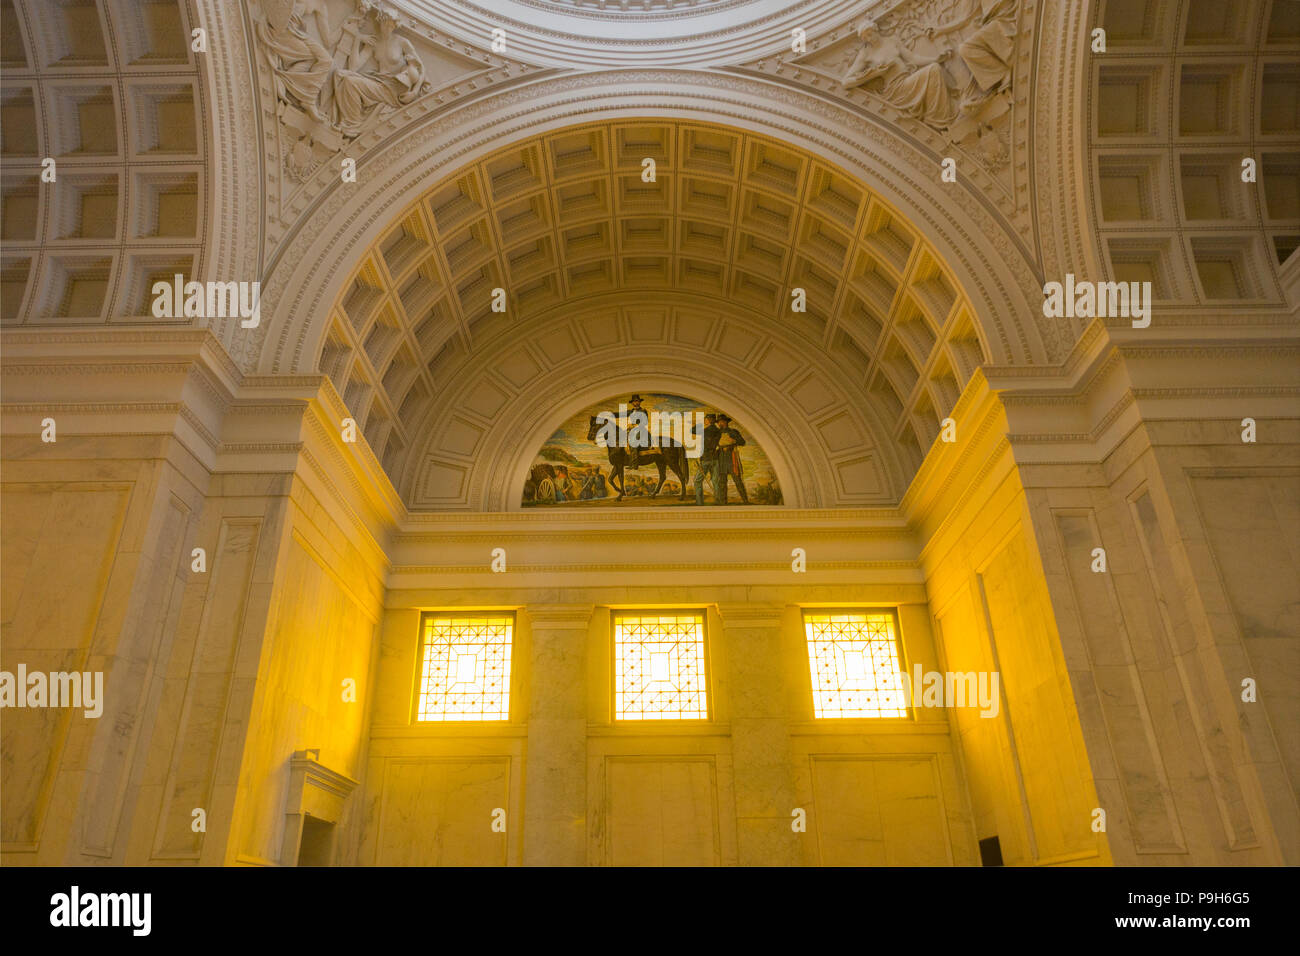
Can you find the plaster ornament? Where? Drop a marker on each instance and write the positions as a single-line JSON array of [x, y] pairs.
[[914, 85], [330, 83], [300, 161], [947, 65], [988, 50]]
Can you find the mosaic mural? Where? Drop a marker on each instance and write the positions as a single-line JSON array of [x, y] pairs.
[[651, 448]]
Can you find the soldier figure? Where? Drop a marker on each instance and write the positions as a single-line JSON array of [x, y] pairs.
[[729, 442], [708, 463]]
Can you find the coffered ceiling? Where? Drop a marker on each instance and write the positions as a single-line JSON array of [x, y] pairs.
[[1122, 165], [1184, 94], [110, 91], [732, 224]]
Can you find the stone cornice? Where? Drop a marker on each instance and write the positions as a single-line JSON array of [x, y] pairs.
[[123, 350], [976, 414], [197, 423], [92, 408], [418, 527], [556, 616], [752, 615], [1235, 391], [369, 499], [622, 567], [305, 766], [282, 447], [1089, 437]]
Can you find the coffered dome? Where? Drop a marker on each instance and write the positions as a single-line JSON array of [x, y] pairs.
[[621, 33], [113, 96], [609, 278]]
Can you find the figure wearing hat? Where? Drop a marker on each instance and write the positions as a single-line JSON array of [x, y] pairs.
[[637, 424], [708, 463], [729, 442]]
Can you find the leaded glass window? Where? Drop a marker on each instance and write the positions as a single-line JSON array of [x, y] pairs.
[[466, 667], [659, 666], [856, 670]]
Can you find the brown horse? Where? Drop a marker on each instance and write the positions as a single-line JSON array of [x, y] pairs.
[[670, 456]]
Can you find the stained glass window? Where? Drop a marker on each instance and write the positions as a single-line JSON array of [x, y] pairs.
[[466, 670], [659, 666], [855, 664]]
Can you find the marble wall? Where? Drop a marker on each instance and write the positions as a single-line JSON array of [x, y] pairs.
[[215, 669], [95, 560], [1027, 769], [592, 790], [274, 689], [1197, 596]]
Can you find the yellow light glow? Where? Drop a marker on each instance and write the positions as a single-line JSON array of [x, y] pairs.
[[855, 665], [466, 672], [659, 667]]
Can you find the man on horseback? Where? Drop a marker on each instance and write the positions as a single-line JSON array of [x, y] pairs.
[[638, 447], [638, 431]]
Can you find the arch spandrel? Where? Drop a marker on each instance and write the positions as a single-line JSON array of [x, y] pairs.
[[882, 296], [309, 274]]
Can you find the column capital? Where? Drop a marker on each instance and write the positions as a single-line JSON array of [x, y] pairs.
[[559, 616], [751, 614]]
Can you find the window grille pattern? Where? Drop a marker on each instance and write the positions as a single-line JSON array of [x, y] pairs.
[[466, 670], [855, 665], [659, 667]]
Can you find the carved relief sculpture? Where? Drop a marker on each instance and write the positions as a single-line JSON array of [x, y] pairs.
[[329, 83], [380, 70], [961, 85], [912, 84], [301, 64], [987, 53]]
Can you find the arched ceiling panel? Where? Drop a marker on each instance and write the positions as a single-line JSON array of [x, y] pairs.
[[732, 223], [1187, 91], [111, 93]]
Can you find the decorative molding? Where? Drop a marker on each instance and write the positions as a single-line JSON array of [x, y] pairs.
[[749, 533], [306, 770], [554, 617], [737, 616], [193, 420], [621, 567], [325, 244], [834, 517], [283, 447], [628, 13], [94, 408], [565, 35]]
